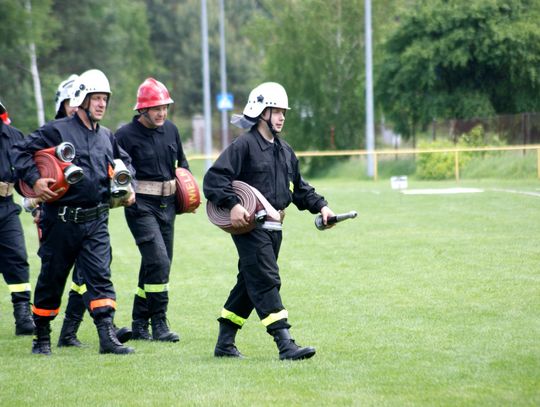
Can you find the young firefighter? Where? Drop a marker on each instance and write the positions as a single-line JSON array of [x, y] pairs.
[[154, 144], [75, 227], [262, 159], [13, 256]]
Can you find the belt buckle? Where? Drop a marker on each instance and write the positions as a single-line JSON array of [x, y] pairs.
[[76, 215], [62, 213]]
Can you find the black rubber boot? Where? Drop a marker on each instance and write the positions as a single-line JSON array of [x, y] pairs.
[[24, 323], [41, 343], [140, 330], [123, 334], [108, 342], [68, 334], [288, 349], [225, 346], [160, 330]]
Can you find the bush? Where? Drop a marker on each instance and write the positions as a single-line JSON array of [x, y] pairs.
[[438, 166], [435, 166]]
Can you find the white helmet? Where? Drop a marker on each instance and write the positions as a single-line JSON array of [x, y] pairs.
[[92, 81], [64, 91], [268, 94]]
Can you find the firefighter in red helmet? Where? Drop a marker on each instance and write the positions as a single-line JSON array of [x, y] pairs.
[[155, 147]]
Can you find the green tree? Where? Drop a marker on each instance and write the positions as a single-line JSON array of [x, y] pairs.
[[18, 29], [112, 37], [176, 39], [315, 49], [461, 59]]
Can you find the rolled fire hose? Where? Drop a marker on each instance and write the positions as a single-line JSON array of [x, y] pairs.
[[188, 196], [259, 209], [55, 163]]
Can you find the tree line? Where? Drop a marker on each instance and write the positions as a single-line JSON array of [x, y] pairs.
[[435, 59]]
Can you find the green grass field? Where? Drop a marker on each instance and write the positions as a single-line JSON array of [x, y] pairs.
[[421, 300]]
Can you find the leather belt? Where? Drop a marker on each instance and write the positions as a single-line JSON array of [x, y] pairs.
[[81, 215], [6, 189], [157, 188]]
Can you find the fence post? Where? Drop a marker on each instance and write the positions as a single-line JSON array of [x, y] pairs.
[[538, 162], [375, 166], [456, 164]]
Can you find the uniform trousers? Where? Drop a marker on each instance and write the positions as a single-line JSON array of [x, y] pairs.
[[13, 255], [258, 281], [83, 245], [151, 221]]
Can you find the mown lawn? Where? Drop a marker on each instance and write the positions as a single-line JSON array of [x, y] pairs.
[[420, 300]]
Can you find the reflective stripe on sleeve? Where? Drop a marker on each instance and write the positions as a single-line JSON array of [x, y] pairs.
[[270, 319], [231, 316]]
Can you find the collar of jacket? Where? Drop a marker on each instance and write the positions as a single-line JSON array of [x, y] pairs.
[[263, 143], [81, 123], [145, 130]]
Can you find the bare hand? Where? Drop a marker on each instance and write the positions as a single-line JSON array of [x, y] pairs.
[[42, 190], [326, 212], [37, 215], [239, 216], [130, 200]]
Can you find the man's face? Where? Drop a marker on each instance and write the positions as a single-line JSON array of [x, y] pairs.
[[155, 116], [70, 111], [97, 105], [277, 119]]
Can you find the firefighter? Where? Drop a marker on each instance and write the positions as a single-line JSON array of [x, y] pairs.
[[62, 97], [13, 256], [75, 226], [262, 159], [75, 307], [154, 144]]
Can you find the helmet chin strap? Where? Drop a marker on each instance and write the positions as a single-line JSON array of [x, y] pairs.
[[148, 119], [90, 119], [146, 115], [88, 115], [269, 124]]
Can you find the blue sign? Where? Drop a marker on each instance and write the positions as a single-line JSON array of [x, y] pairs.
[[225, 101]]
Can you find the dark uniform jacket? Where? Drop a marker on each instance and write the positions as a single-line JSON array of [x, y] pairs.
[[8, 137], [154, 151], [272, 168], [93, 153]]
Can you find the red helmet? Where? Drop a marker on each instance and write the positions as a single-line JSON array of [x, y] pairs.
[[4, 116], [152, 93]]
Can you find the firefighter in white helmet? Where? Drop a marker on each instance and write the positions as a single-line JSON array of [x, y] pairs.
[[154, 144], [62, 98], [75, 307], [262, 159], [75, 226]]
